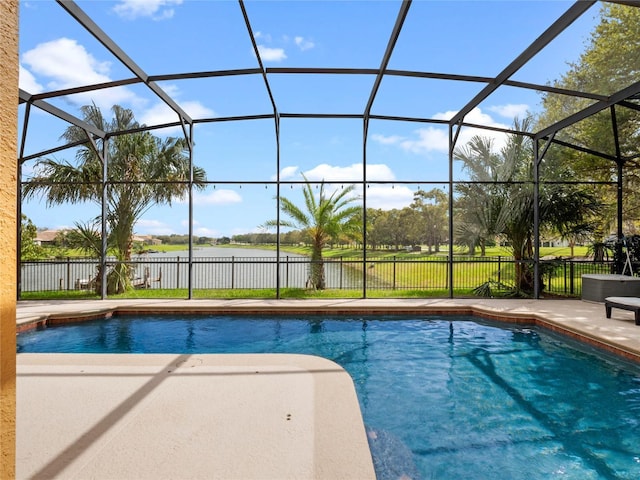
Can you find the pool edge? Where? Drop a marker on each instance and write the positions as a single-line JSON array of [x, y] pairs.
[[580, 320]]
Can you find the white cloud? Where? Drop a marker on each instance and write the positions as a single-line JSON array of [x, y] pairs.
[[474, 116], [217, 197], [155, 9], [429, 139], [378, 196], [171, 89], [269, 54], [478, 117], [158, 114], [165, 14], [511, 110], [424, 141], [64, 63], [278, 54], [388, 197], [304, 44], [206, 232], [196, 110], [386, 140], [264, 36], [287, 173], [379, 172], [161, 113], [349, 173], [28, 82], [153, 227]]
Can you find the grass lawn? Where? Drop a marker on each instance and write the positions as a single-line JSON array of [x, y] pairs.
[[563, 252], [244, 293], [390, 274]]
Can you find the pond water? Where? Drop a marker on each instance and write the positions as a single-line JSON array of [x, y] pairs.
[[213, 268]]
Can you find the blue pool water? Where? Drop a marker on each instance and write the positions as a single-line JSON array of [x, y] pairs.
[[442, 398]]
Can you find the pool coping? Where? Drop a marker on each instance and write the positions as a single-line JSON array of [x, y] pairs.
[[579, 319]]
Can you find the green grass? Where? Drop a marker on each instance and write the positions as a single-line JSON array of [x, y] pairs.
[[60, 295], [174, 248], [246, 293], [426, 276], [357, 253]]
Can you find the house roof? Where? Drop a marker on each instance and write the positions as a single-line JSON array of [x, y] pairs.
[[47, 235]]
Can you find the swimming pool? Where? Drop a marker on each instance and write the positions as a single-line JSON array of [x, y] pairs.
[[443, 397]]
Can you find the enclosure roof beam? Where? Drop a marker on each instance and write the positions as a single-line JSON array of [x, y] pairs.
[[44, 153], [595, 153], [235, 118], [83, 19], [577, 9], [628, 3], [618, 97], [402, 14], [552, 89], [321, 115], [432, 75], [316, 71], [61, 114], [256, 51], [85, 88], [323, 70], [631, 105], [207, 74]]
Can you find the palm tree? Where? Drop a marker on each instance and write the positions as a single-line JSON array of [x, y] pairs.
[[325, 219], [87, 238], [502, 203], [142, 171], [479, 205]]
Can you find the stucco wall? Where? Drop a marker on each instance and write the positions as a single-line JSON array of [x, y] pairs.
[[8, 222]]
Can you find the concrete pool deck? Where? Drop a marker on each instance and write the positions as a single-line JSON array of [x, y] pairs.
[[229, 416]]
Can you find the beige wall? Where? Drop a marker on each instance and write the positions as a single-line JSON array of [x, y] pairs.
[[8, 219]]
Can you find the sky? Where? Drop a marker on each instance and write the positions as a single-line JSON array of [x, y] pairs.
[[478, 38]]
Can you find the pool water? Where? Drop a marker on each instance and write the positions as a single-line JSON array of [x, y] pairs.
[[442, 397]]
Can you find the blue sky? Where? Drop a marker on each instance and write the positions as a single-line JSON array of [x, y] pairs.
[[174, 36]]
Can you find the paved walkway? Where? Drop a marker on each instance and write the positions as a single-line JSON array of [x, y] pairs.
[[228, 416]]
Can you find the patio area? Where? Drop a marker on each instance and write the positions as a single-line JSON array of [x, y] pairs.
[[371, 92], [229, 416]]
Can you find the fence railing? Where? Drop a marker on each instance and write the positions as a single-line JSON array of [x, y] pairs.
[[559, 276]]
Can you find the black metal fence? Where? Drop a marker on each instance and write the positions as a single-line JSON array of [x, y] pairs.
[[431, 273]]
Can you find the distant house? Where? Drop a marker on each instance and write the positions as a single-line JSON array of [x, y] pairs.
[[46, 237], [146, 239], [554, 242]]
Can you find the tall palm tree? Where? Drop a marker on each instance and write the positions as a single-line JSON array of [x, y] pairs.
[[142, 171], [502, 202], [325, 219]]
